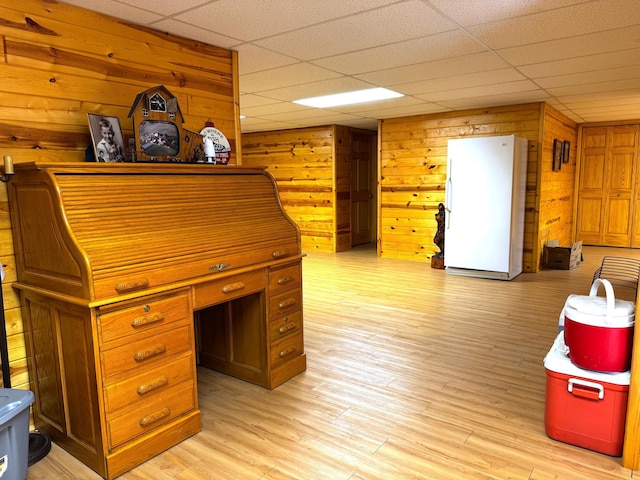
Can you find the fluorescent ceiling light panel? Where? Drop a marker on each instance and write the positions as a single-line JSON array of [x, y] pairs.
[[349, 98]]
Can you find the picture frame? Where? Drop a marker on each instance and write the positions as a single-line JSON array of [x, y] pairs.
[[107, 138], [557, 154], [159, 138], [566, 148]]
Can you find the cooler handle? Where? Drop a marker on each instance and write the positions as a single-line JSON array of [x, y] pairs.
[[585, 393], [611, 299]]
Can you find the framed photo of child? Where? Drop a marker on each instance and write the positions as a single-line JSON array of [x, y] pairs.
[[107, 138]]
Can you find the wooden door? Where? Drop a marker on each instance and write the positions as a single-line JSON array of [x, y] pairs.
[[607, 188], [362, 187]]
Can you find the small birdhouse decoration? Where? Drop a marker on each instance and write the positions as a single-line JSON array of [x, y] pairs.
[[157, 126]]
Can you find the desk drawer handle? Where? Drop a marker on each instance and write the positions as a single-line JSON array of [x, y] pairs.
[[152, 352], [288, 351], [154, 417], [287, 327], [125, 287], [284, 252], [285, 280], [232, 287], [146, 388], [287, 303], [145, 320]]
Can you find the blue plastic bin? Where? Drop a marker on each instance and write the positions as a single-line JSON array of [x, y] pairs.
[[14, 433]]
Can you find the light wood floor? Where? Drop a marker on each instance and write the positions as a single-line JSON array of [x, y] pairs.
[[412, 374]]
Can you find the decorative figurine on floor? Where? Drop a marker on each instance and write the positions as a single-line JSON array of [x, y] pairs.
[[437, 261]]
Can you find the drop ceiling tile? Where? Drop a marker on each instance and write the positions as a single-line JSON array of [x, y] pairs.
[[315, 89], [595, 109], [422, 108], [579, 46], [577, 103], [391, 24], [612, 116], [419, 50], [597, 88], [399, 102], [565, 22], [591, 78], [195, 33], [274, 109], [251, 100], [460, 82], [448, 67], [319, 115], [118, 10], [480, 91], [603, 61], [613, 95], [287, 76], [252, 58], [250, 19], [259, 125], [469, 13], [463, 103], [165, 7]]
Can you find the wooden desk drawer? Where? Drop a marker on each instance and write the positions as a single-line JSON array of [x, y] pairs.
[[149, 384], [228, 288], [284, 326], [285, 278], [145, 352], [285, 303], [289, 348], [146, 416], [145, 317]]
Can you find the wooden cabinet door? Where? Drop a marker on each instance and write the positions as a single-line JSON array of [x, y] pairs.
[[607, 191]]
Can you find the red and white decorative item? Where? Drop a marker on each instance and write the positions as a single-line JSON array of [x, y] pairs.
[[599, 330], [221, 146]]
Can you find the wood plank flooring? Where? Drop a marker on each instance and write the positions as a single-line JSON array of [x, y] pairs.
[[412, 374]]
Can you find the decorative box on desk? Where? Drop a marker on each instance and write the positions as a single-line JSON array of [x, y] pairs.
[[114, 262]]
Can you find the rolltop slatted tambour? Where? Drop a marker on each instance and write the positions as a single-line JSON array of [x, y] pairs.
[[130, 275]]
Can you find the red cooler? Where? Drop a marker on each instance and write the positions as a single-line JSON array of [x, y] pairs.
[[599, 330], [582, 407]]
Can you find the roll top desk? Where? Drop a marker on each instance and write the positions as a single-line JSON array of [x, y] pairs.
[[132, 274]]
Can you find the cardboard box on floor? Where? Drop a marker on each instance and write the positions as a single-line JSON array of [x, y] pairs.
[[563, 258]]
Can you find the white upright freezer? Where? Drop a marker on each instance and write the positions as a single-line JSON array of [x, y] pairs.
[[485, 201]]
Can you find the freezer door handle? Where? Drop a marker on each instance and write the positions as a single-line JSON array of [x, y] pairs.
[[587, 392], [449, 196]]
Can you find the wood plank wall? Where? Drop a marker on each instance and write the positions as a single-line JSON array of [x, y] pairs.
[[59, 62], [413, 160], [312, 169], [557, 189]]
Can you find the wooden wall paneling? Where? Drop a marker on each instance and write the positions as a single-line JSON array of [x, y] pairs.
[[413, 156], [69, 55], [303, 163], [59, 62]]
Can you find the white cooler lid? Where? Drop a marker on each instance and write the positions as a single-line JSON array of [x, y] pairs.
[[601, 311], [593, 310], [557, 360]]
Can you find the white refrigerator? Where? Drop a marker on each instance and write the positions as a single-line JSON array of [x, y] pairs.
[[485, 201]]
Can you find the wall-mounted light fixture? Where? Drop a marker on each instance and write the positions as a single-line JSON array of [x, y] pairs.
[[8, 168]]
